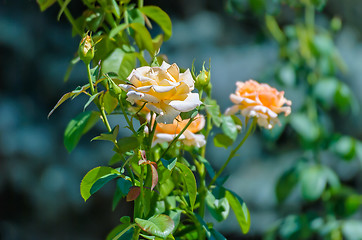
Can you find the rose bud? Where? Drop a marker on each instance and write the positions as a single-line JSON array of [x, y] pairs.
[[86, 49]]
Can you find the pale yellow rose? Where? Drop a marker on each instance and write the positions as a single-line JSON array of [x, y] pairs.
[[167, 132], [166, 90], [259, 100]]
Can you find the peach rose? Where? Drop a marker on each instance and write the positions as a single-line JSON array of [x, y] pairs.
[[259, 100], [167, 132], [166, 90]]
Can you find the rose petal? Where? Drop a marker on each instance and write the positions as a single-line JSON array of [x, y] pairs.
[[164, 137], [168, 115], [197, 140], [191, 102], [164, 66], [153, 108], [133, 96], [174, 71], [162, 89], [187, 78], [232, 110]]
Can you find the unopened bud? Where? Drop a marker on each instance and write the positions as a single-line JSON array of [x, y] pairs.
[[114, 89], [203, 79], [86, 49]]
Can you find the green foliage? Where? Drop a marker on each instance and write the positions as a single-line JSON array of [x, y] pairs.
[[126, 144], [44, 4], [160, 17], [95, 179], [77, 127], [158, 225], [190, 182], [241, 211], [222, 140]]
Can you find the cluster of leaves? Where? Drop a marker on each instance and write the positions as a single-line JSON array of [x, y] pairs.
[[310, 61], [168, 201]]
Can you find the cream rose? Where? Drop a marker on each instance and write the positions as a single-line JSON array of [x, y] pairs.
[[166, 90], [167, 132], [259, 100]]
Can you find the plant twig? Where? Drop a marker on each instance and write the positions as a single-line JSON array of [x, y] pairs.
[[233, 153]]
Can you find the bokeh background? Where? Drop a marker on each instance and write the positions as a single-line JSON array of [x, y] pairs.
[[39, 180]]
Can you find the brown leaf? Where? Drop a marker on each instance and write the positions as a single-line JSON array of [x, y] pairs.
[[133, 193]]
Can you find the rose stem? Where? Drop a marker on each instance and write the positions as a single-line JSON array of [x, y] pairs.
[[233, 152]]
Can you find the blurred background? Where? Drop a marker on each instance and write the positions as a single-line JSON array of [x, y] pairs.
[[39, 179]]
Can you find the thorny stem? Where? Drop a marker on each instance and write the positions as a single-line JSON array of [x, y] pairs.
[[126, 117], [99, 104], [90, 79], [141, 188], [208, 129], [177, 137], [233, 152], [105, 120]]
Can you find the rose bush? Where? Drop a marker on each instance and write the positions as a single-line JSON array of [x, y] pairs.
[[166, 90], [253, 99]]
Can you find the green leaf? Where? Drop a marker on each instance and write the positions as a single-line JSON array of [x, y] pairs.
[[66, 96], [221, 140], [240, 209], [190, 182], [313, 182], [159, 225], [95, 179], [44, 4], [343, 97], [217, 204], [305, 127], [119, 62], [117, 29], [352, 229], [169, 164], [286, 75], [95, 19], [216, 235], [135, 16], [345, 147], [213, 109], [77, 127], [228, 127], [352, 204], [91, 99], [204, 226], [65, 4], [325, 90], [160, 17], [113, 61], [70, 68], [122, 189], [110, 103], [208, 166], [115, 158], [108, 136], [127, 65], [188, 115], [274, 28], [286, 184], [115, 8], [127, 144], [143, 38]]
